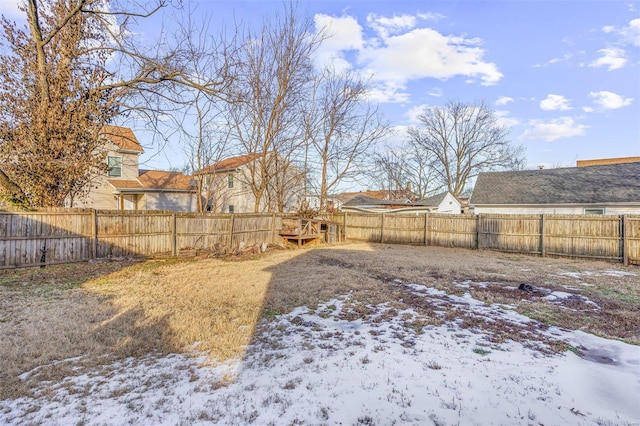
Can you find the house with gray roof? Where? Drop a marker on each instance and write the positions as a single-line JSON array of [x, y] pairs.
[[600, 189], [440, 203], [444, 202]]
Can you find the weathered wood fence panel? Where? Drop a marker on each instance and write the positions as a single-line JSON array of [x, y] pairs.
[[44, 238], [202, 231], [589, 236], [511, 233], [631, 249], [447, 230], [606, 237], [402, 229], [253, 229], [123, 233], [363, 227]]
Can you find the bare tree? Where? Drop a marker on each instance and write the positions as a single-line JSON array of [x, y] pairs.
[[405, 168], [265, 110], [342, 126], [74, 68], [463, 140]]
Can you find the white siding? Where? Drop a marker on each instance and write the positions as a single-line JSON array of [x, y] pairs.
[[555, 209], [449, 205], [173, 201]]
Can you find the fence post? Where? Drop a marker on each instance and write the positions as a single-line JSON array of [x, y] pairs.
[[233, 217], [426, 227], [382, 230], [273, 228], [543, 250], [94, 234], [625, 240], [478, 221], [174, 249], [344, 226]]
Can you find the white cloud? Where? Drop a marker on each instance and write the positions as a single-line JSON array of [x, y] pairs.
[[555, 103], [400, 51], [343, 34], [551, 130], [629, 34], [414, 112], [423, 53], [552, 61], [388, 92], [503, 100], [386, 26], [609, 100], [429, 16], [611, 57], [436, 92], [503, 119]]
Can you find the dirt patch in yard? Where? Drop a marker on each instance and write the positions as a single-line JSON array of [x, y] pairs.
[[58, 320]]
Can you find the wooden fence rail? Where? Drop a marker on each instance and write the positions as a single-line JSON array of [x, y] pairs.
[[53, 237]]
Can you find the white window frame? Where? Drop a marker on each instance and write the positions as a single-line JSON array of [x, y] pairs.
[[595, 210], [111, 168], [230, 181], [231, 208]]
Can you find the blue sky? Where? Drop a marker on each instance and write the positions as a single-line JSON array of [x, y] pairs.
[[564, 74]]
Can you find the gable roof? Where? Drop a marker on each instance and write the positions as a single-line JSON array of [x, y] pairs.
[[384, 194], [125, 184], [155, 180], [616, 183], [122, 137], [365, 200], [228, 164], [434, 200], [158, 179]]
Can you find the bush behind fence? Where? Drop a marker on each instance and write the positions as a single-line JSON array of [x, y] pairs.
[[65, 236]]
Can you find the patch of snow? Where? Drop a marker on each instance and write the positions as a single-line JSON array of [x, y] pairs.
[[608, 272], [325, 370]]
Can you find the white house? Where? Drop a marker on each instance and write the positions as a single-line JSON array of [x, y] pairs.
[[600, 189], [125, 187], [227, 185], [441, 203]]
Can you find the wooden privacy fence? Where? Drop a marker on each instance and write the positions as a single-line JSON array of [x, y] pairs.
[[55, 237], [607, 237]]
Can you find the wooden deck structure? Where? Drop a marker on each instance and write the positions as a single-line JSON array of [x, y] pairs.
[[304, 231]]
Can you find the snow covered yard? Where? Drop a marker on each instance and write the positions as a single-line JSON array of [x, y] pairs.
[[443, 351]]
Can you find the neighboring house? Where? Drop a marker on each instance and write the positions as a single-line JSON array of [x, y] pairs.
[[395, 195], [441, 203], [226, 186], [444, 202], [125, 187], [604, 189]]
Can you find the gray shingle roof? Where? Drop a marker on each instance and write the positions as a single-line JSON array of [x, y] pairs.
[[434, 200], [361, 200], [617, 183]]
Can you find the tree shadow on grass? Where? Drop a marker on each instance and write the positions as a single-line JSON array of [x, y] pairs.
[[51, 328]]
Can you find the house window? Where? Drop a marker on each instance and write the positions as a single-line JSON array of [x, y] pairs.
[[230, 180], [231, 208], [114, 165], [599, 210]]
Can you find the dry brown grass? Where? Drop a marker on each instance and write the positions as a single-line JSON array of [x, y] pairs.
[[103, 311]]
